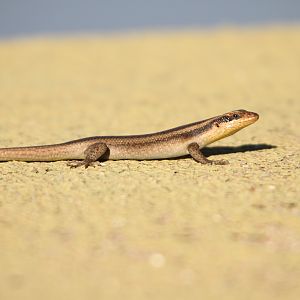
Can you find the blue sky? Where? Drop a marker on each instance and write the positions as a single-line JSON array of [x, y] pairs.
[[31, 17]]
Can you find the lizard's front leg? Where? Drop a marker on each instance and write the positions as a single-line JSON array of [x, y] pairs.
[[197, 155]]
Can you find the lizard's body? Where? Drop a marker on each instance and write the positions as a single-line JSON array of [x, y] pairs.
[[179, 141]]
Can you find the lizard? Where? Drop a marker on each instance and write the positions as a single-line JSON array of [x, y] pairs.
[[180, 141]]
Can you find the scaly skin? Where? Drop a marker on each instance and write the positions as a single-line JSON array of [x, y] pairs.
[[179, 141]]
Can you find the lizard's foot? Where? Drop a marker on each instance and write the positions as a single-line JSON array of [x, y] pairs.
[[198, 156], [219, 162], [76, 164]]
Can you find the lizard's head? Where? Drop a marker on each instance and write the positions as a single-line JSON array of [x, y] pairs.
[[234, 121], [230, 123]]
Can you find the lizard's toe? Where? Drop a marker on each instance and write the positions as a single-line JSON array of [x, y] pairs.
[[220, 162]]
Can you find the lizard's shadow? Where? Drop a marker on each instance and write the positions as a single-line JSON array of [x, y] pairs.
[[219, 150]]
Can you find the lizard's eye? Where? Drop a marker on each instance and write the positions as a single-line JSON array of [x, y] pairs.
[[236, 116]]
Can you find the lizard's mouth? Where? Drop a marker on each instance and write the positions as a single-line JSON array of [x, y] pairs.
[[249, 118], [252, 116]]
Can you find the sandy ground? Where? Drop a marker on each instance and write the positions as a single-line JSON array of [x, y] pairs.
[[170, 229]]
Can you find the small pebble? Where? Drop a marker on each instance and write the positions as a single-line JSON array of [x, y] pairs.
[[157, 260]]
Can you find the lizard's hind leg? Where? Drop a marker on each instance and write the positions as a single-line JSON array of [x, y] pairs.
[[92, 154]]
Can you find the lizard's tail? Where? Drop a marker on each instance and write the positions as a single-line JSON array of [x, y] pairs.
[[35, 153]]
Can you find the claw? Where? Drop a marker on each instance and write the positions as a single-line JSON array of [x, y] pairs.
[[220, 162], [86, 164]]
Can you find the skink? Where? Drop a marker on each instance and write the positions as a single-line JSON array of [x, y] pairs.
[[175, 142]]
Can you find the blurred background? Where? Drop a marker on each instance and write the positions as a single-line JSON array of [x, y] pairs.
[[164, 229], [39, 17]]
